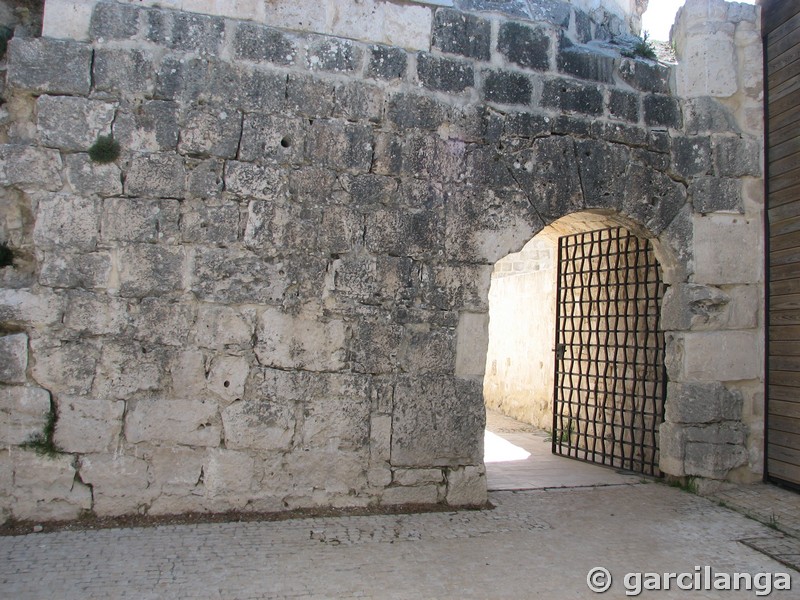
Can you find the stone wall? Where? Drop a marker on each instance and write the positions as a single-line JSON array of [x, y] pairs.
[[276, 296]]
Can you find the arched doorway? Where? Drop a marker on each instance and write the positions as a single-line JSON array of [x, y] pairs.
[[574, 341]]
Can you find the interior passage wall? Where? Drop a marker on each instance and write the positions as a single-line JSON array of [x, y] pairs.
[[519, 362]]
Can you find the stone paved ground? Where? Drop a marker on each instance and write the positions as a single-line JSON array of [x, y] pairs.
[[535, 543]]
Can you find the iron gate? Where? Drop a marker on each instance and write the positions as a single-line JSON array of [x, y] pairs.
[[609, 367]]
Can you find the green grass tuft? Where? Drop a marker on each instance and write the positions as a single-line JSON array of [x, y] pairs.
[[643, 48], [6, 255], [104, 150], [43, 442]]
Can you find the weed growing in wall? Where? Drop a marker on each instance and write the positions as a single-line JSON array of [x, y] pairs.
[[6, 255], [104, 150]]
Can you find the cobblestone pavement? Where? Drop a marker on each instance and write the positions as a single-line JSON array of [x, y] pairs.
[[535, 543]]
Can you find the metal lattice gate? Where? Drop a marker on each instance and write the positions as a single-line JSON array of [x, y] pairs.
[[609, 367]]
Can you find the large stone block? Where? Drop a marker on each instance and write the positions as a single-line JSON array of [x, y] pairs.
[[115, 21], [702, 403], [334, 55], [737, 156], [458, 287], [407, 110], [528, 47], [415, 234], [146, 270], [205, 180], [229, 474], [571, 96], [13, 358], [45, 488], [466, 486], [460, 33], [220, 326], [645, 76], [624, 105], [722, 356], [300, 342], [177, 471], [585, 63], [95, 314], [127, 368], [309, 96], [161, 321], [24, 412], [120, 483], [140, 220], [21, 307], [265, 182], [274, 230], [418, 494], [691, 156], [257, 43], [438, 421], [341, 146], [72, 123], [357, 101], [30, 168], [63, 268], [714, 194], [718, 243], [651, 197], [87, 424], [66, 221], [49, 66], [444, 74], [156, 175], [184, 422], [473, 342], [713, 461], [662, 111], [88, 178], [272, 138], [127, 71], [64, 367], [151, 127], [386, 63], [207, 133], [507, 87], [700, 307]]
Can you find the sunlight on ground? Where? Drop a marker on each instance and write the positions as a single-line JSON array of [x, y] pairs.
[[496, 449]]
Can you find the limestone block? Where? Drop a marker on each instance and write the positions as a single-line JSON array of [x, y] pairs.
[[223, 275], [21, 307], [472, 345], [691, 156], [119, 483], [62, 366], [466, 486], [387, 63], [340, 146], [220, 326], [62, 268], [409, 477], [187, 371], [30, 168], [444, 74], [713, 460], [571, 96], [185, 422], [23, 413], [418, 494], [415, 111], [706, 61], [718, 244], [356, 101], [87, 424], [152, 127], [206, 133], [722, 356], [376, 346], [228, 472], [671, 449], [227, 376], [156, 175], [701, 307], [528, 47], [72, 123], [176, 470], [140, 220], [202, 222], [380, 439], [146, 270], [454, 287], [128, 71], [191, 32], [66, 221], [645, 76], [257, 43], [13, 358], [114, 21], [334, 55], [127, 367], [438, 421], [705, 115], [737, 156], [88, 178], [49, 66], [316, 476], [662, 111], [716, 194], [717, 433], [300, 342], [68, 19], [45, 488], [266, 423], [455, 32], [702, 403], [427, 349], [277, 230], [205, 181], [255, 181], [161, 321], [336, 414]]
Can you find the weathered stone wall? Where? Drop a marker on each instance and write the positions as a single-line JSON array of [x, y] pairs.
[[277, 295]]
